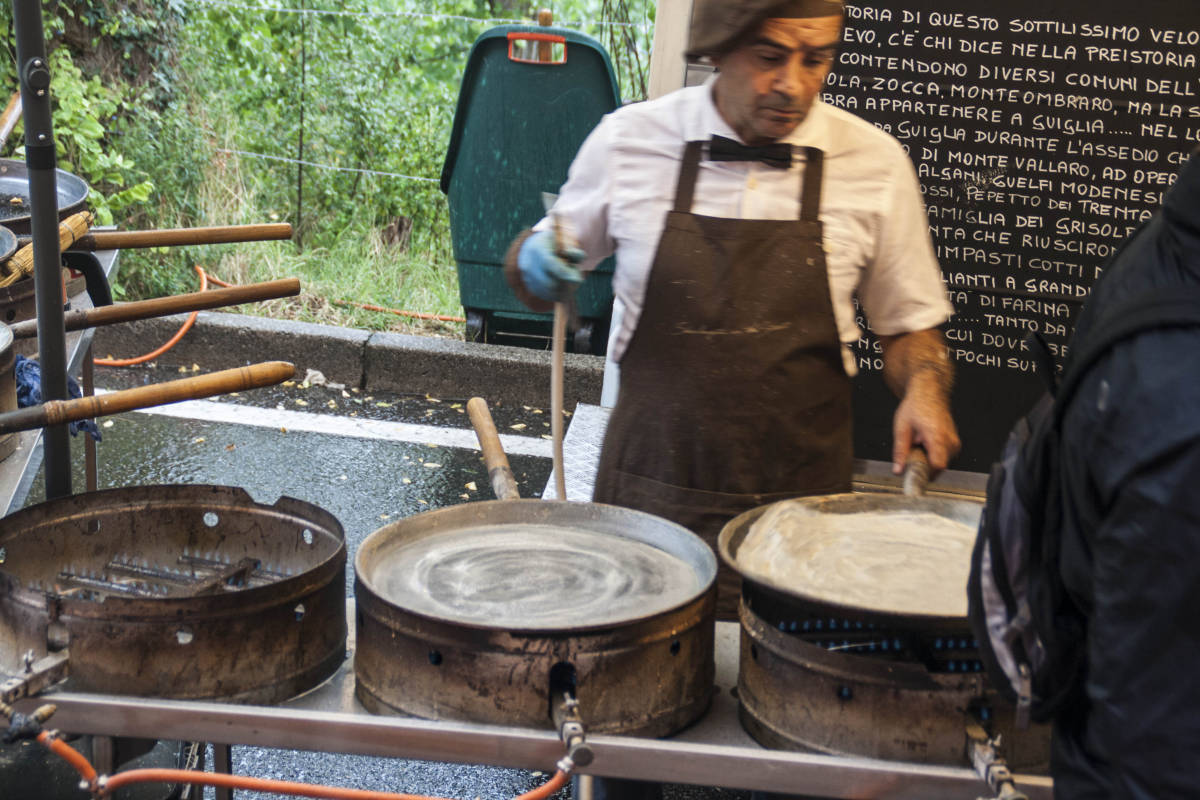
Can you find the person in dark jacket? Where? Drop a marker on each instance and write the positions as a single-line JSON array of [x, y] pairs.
[[1131, 532]]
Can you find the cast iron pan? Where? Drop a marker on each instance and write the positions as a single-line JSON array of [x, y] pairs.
[[785, 599], [533, 565], [14, 195]]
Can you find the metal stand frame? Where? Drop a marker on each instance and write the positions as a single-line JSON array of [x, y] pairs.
[[34, 75], [714, 751]]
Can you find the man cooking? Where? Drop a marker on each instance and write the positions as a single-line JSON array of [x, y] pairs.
[[746, 215]]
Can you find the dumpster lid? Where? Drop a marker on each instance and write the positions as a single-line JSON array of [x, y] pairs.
[[585, 64]]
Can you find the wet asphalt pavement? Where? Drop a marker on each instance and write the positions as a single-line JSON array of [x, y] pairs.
[[365, 483]]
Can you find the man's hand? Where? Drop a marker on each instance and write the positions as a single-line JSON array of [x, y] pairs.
[[546, 272], [916, 367]]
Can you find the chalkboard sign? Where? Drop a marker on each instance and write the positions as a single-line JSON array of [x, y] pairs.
[[1043, 133]]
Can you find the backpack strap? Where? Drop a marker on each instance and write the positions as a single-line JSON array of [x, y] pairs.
[[1161, 308]]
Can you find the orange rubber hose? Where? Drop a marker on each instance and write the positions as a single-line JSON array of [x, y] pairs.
[[214, 279], [399, 312], [218, 779], [68, 754], [174, 340], [546, 789]]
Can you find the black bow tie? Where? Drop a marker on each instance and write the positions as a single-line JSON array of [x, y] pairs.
[[778, 155]]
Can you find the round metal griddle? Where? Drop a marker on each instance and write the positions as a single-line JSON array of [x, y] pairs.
[[817, 675], [535, 566], [189, 592], [488, 612], [512, 611], [774, 593], [14, 195]]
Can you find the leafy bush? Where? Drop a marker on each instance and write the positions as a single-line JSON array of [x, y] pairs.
[[335, 119]]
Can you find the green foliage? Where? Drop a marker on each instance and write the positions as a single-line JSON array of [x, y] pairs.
[[83, 110], [200, 112]]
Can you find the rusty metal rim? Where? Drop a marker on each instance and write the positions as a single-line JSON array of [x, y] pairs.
[[210, 497], [804, 655], [735, 531], [642, 630], [594, 517]]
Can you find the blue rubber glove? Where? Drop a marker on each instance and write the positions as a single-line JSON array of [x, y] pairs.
[[544, 273]]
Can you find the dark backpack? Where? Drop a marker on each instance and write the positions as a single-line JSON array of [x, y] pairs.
[[1030, 632]]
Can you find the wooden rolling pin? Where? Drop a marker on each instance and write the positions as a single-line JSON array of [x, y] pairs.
[[58, 412], [177, 237], [165, 306]]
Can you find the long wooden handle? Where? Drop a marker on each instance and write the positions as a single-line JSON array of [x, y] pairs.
[[164, 306], [504, 484], [557, 355], [8, 120], [916, 472], [57, 412], [169, 237]]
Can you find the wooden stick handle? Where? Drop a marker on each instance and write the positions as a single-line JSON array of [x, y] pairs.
[[168, 237], [916, 472], [57, 412], [8, 120], [557, 354], [504, 483], [165, 306]]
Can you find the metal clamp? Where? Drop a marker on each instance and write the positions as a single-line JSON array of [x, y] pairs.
[[984, 755], [38, 676]]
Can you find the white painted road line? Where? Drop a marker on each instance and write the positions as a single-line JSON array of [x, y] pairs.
[[333, 425]]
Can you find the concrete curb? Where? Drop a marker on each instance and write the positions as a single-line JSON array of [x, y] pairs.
[[371, 361]]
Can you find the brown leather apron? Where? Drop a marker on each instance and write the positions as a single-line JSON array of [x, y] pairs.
[[733, 393]]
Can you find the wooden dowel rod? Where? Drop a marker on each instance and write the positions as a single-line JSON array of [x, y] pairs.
[[58, 412], [8, 120], [165, 306], [177, 237]]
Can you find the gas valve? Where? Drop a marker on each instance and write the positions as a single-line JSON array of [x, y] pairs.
[[571, 732], [984, 755]]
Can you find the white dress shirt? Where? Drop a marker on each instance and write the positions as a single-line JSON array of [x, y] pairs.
[[622, 184]]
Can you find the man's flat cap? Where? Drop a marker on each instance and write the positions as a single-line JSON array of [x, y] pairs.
[[718, 25]]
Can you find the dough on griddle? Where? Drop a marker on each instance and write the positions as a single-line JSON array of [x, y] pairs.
[[906, 562]]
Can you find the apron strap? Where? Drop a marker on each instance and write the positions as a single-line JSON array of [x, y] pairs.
[[810, 188], [810, 191], [686, 185]]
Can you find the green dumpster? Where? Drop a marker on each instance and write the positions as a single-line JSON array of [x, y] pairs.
[[517, 126]]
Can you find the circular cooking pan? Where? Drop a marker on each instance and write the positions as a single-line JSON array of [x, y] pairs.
[[488, 612], [14, 195], [185, 592], [781, 601], [533, 566], [818, 675]]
